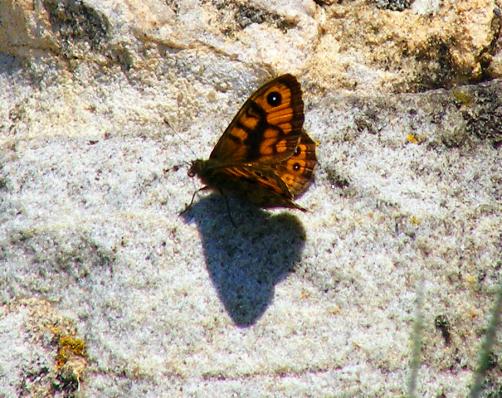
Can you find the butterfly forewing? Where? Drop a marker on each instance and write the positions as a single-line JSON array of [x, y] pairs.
[[267, 127]]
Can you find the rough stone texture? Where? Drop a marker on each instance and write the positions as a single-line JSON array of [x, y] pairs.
[[106, 291]]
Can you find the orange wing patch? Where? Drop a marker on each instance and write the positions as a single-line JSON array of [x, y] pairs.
[[249, 121], [239, 133]]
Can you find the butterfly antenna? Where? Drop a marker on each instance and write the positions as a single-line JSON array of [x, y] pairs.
[[166, 121], [188, 165]]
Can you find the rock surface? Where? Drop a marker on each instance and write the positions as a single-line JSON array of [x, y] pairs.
[[106, 291]]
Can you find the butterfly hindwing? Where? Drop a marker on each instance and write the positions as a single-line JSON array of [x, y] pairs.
[[277, 185], [297, 171], [261, 186]]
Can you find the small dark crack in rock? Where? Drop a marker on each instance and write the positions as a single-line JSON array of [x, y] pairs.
[[76, 22], [393, 5]]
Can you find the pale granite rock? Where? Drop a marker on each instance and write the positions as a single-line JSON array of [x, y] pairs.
[[107, 291]]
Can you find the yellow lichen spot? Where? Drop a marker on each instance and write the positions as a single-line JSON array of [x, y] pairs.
[[470, 280], [55, 330], [415, 220], [334, 310], [412, 139], [415, 139], [463, 97], [69, 346]]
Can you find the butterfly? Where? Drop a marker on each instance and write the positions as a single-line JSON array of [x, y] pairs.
[[264, 155]]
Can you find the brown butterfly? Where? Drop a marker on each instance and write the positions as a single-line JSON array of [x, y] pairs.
[[264, 155]]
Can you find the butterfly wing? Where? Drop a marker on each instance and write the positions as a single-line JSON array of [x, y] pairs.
[[264, 155], [267, 128], [297, 171], [273, 185], [259, 185]]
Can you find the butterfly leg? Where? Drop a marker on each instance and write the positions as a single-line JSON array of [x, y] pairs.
[[296, 206], [228, 208], [204, 188]]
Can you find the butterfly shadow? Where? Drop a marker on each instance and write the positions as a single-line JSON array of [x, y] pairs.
[[245, 262]]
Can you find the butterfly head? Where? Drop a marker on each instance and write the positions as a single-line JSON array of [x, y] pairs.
[[196, 167]]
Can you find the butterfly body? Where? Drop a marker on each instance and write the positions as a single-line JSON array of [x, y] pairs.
[[264, 156]]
